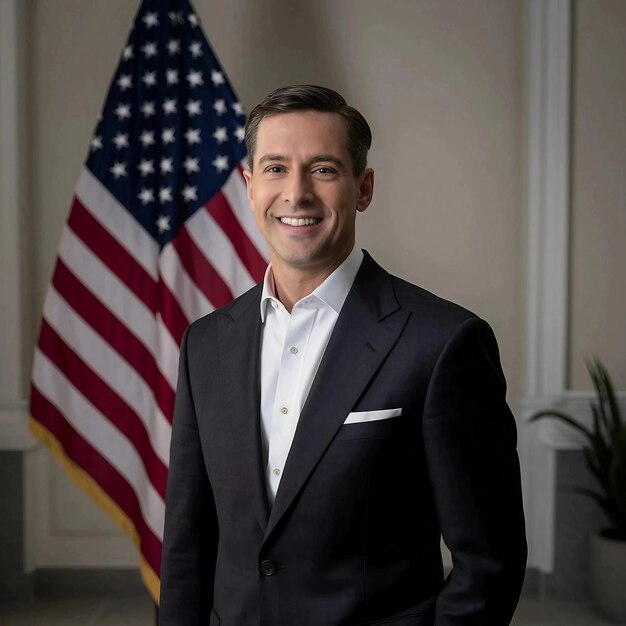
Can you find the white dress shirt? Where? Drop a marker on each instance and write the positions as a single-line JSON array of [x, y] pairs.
[[292, 346]]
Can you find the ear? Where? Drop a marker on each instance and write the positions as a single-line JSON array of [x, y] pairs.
[[366, 189], [247, 174]]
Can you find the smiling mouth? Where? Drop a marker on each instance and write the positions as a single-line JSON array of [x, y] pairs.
[[300, 221]]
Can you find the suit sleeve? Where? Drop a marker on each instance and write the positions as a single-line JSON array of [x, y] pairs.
[[470, 446], [191, 530]]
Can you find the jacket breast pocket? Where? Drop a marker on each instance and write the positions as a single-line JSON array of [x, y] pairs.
[[374, 429]]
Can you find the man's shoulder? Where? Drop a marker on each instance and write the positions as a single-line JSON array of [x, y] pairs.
[[245, 304], [421, 303]]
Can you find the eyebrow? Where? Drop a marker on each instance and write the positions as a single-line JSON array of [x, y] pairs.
[[316, 158]]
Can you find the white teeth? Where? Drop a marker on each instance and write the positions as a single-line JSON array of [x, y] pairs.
[[295, 221]]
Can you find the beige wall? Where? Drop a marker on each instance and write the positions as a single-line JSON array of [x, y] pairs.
[[598, 279], [440, 83]]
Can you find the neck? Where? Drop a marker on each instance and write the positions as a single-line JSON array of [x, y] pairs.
[[291, 284]]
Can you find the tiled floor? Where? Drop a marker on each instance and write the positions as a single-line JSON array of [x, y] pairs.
[[137, 610]]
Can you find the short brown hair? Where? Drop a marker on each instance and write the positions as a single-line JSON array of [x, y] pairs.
[[313, 98]]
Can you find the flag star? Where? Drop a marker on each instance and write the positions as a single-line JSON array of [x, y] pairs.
[[147, 138], [193, 19], [166, 166], [163, 223], [220, 134], [190, 193], [240, 133], [238, 108], [147, 108], [150, 20], [125, 81], [172, 76], [176, 17], [191, 165], [146, 195], [118, 169], [173, 46], [146, 167], [220, 162], [96, 143], [121, 140], [149, 49], [169, 106], [122, 111], [195, 79], [128, 53], [193, 136], [149, 78], [217, 78], [193, 107], [219, 106], [167, 136], [165, 195], [196, 49]]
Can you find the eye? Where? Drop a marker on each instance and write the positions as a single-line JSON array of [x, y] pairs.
[[325, 170], [274, 169]]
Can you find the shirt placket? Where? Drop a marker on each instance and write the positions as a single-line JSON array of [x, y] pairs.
[[288, 400]]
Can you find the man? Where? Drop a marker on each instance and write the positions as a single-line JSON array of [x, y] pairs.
[[333, 422]]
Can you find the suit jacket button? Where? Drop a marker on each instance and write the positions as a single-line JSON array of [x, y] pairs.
[[268, 568]]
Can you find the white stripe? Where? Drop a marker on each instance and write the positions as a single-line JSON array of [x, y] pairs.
[[113, 369], [168, 352], [191, 299], [235, 193], [118, 221], [112, 293], [89, 422], [219, 251]]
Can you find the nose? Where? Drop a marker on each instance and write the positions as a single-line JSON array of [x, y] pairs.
[[298, 190]]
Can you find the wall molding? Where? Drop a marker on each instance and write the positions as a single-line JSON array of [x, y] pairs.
[[13, 260], [548, 78]]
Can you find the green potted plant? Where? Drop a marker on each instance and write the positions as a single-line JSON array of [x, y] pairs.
[[605, 454]]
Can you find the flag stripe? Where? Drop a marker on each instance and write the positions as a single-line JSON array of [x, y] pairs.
[[216, 246], [205, 277], [172, 314], [220, 210], [89, 458], [114, 255], [192, 301], [93, 426], [90, 385], [114, 370], [235, 193], [114, 218], [85, 304]]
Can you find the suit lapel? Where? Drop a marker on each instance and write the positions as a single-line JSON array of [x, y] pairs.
[[368, 326], [239, 342]]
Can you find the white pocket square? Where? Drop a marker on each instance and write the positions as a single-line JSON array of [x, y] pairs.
[[372, 416]]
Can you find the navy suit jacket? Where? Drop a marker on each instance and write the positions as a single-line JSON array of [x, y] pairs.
[[353, 535]]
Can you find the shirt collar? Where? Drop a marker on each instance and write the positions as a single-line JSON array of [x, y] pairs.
[[333, 291]]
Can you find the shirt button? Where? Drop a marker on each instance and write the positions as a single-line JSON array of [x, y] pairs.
[[284, 410], [268, 568], [276, 471], [294, 350]]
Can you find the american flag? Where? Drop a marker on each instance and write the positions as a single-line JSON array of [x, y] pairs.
[[159, 234]]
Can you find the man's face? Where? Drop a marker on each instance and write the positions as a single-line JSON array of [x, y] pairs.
[[303, 192]]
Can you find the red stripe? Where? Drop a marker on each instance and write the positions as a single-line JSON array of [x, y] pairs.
[[154, 294], [113, 254], [105, 400], [115, 333], [101, 471], [172, 313], [201, 271], [220, 211]]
